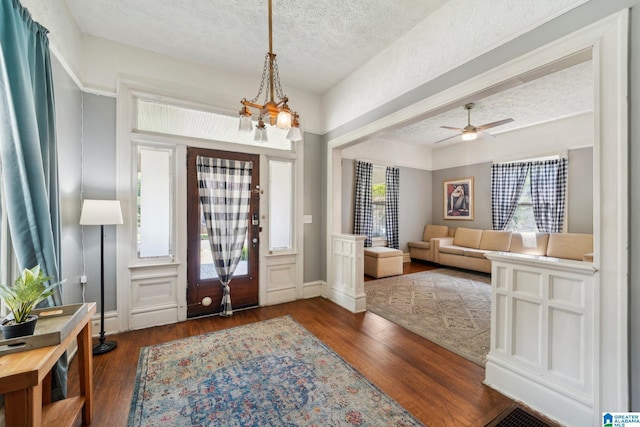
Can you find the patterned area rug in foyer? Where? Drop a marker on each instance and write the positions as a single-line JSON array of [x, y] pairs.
[[451, 308], [269, 373]]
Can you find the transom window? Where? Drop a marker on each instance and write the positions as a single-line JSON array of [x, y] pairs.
[[164, 118]]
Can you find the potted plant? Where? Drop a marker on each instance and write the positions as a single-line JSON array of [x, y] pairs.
[[28, 290]]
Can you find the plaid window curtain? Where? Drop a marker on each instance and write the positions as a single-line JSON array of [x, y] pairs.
[[548, 189], [225, 191], [362, 215], [507, 181], [392, 183]]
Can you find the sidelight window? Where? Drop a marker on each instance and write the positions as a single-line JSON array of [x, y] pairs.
[[280, 205], [154, 202]]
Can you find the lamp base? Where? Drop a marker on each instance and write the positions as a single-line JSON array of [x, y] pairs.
[[104, 347]]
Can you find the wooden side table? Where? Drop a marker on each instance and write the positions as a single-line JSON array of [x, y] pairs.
[[25, 380]]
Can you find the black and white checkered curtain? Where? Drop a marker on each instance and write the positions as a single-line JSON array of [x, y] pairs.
[[225, 192], [362, 215], [392, 181], [507, 181], [548, 189]]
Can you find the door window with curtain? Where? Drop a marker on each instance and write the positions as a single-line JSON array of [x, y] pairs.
[[205, 289]]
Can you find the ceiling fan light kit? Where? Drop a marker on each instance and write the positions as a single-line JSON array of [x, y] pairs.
[[470, 132], [278, 112]]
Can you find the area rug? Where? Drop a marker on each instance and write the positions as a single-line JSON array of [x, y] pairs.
[[269, 373], [451, 308]]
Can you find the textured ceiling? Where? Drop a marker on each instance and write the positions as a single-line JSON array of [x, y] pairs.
[[318, 43], [561, 94]]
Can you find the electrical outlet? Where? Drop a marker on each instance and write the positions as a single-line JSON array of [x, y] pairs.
[[83, 280]]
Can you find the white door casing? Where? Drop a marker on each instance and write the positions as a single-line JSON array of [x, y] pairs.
[[165, 279]]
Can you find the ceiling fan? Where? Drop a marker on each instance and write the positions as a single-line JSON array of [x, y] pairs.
[[470, 132]]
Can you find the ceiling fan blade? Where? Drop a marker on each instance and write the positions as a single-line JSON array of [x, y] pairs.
[[494, 124], [449, 127], [442, 140], [483, 133]]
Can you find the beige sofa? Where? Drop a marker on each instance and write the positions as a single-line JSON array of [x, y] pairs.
[[468, 246], [422, 249]]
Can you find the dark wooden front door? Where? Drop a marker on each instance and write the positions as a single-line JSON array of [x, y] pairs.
[[204, 291]]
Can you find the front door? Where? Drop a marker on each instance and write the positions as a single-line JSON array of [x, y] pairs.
[[204, 291]]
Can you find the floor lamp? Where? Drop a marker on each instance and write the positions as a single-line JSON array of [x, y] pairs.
[[101, 212]]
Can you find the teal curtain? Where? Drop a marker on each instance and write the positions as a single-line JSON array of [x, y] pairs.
[[28, 149]]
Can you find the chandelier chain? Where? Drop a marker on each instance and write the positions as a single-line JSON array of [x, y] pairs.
[[278, 88], [275, 109], [264, 77]]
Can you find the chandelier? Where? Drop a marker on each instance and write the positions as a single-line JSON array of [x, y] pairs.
[[277, 113]]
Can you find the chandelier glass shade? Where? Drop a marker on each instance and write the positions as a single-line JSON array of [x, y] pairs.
[[275, 108]]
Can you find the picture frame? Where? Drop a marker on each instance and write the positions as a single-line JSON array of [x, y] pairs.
[[458, 199]]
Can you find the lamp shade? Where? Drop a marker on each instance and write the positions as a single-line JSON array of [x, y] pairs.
[[284, 120], [246, 124], [294, 134], [100, 212], [261, 135]]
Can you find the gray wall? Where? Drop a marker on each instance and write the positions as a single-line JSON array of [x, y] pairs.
[[323, 211], [414, 202], [348, 190], [99, 176], [68, 132], [580, 191], [313, 205], [92, 163], [481, 174]]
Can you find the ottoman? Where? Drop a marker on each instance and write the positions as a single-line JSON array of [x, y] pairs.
[[382, 262]]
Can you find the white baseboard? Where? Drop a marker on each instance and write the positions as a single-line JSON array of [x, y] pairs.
[[110, 323], [355, 304], [559, 404], [313, 289], [406, 257]]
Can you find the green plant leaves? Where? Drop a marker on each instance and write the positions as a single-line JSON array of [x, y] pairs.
[[28, 290]]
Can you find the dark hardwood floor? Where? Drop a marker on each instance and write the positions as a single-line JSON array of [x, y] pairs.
[[411, 267], [435, 385]]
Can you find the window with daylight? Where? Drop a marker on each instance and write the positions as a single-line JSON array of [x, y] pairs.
[[378, 196], [523, 219]]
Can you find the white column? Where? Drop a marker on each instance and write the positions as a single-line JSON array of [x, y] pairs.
[[346, 286]]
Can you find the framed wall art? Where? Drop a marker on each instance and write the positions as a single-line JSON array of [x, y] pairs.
[[458, 199]]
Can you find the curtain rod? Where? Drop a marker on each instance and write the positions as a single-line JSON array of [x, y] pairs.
[[542, 156], [376, 162]]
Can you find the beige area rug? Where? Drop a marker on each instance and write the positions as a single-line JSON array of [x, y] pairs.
[[451, 308]]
